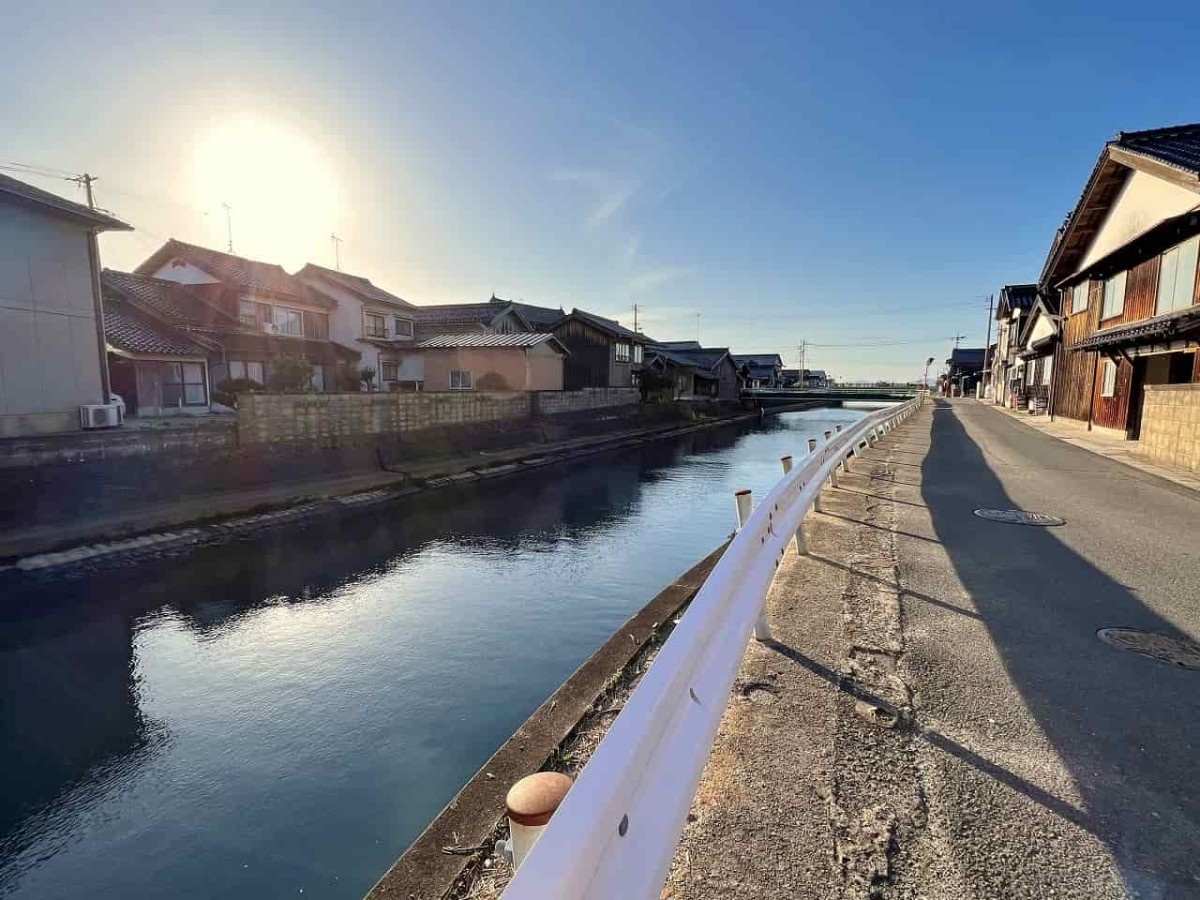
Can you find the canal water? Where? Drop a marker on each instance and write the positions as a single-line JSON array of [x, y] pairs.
[[283, 715]]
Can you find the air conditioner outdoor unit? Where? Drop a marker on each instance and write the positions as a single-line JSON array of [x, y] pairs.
[[270, 328], [99, 415]]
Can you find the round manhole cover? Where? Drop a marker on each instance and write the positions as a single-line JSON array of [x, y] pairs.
[[1182, 653], [1019, 517]]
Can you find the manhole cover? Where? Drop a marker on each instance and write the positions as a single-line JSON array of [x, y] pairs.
[[1019, 517], [1182, 653]]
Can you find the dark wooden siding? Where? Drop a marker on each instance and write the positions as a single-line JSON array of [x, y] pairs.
[[1075, 379], [1112, 412], [1141, 291], [589, 364]]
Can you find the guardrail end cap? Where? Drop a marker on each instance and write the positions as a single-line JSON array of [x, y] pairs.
[[742, 492], [533, 799]]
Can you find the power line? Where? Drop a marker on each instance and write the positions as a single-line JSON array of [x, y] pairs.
[[45, 171]]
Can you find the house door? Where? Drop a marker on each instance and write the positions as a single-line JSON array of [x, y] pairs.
[[1137, 384]]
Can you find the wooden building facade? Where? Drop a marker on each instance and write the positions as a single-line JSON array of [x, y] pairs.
[[602, 352], [1125, 268]]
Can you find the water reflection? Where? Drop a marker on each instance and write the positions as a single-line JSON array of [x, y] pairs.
[[289, 710]]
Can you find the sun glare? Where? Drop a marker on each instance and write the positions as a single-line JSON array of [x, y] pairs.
[[278, 183]]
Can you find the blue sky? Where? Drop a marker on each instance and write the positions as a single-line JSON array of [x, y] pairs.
[[854, 175]]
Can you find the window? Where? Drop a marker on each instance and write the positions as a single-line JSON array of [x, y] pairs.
[[183, 384], [288, 321], [316, 325], [404, 327], [1047, 369], [623, 353], [1108, 383], [1177, 277], [374, 326], [1079, 297], [252, 370], [252, 314], [461, 380], [1114, 297], [638, 351], [387, 371]]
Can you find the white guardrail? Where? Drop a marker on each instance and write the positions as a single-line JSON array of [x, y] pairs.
[[614, 835]]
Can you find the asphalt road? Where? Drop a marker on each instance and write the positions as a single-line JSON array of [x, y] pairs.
[[1053, 764], [936, 718]]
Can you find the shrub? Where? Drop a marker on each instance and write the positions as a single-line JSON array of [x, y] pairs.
[[491, 381], [290, 375], [367, 375], [227, 390]]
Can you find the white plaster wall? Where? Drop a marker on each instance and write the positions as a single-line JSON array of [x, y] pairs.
[[184, 273], [49, 350], [1143, 203]]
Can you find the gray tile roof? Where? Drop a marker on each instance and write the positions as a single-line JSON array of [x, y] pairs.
[[706, 358], [355, 284], [460, 313], [489, 339], [758, 359], [234, 270], [611, 326], [27, 193], [167, 300], [1017, 296], [1177, 146], [538, 316], [125, 330]]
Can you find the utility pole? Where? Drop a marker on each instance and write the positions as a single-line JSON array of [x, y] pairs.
[[698, 327], [957, 338], [802, 348], [635, 324], [228, 226], [86, 180], [337, 251], [987, 373]]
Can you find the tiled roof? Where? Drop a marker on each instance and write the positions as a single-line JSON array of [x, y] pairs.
[[758, 359], [705, 358], [234, 270], [1177, 146], [1152, 329], [966, 356], [611, 326], [167, 300], [1017, 296], [125, 330], [538, 316], [29, 194], [489, 339], [679, 345], [356, 284], [460, 313]]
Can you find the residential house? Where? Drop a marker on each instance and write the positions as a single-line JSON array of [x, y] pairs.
[[965, 367], [698, 373], [815, 379], [451, 318], [1125, 266], [280, 316], [1015, 303], [540, 318], [52, 353], [761, 370], [155, 369], [492, 361], [378, 325], [603, 353], [789, 378], [1035, 347]]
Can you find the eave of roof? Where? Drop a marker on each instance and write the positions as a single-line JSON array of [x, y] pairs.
[[1165, 325], [520, 340], [27, 193]]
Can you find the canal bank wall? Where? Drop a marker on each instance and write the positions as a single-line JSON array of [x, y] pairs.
[[449, 854], [115, 506]]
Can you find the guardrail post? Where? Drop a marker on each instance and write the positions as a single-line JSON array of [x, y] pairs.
[[745, 504], [531, 802], [833, 473], [798, 540]]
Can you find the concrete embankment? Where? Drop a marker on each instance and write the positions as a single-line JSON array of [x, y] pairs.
[[449, 856], [122, 525]]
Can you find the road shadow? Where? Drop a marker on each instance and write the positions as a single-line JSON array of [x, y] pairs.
[[1126, 727]]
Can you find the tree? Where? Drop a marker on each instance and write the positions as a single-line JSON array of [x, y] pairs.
[[492, 381], [367, 374], [290, 375]]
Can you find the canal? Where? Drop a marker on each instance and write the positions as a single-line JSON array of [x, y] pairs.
[[283, 714]]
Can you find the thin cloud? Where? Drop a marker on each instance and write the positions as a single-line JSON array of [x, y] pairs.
[[656, 278], [611, 192]]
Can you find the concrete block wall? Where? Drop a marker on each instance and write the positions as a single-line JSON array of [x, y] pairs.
[[330, 419], [553, 403], [1171, 425]]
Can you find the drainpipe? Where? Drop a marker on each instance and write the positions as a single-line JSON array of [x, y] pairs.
[[98, 306]]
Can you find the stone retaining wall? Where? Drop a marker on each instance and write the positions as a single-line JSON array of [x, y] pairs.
[[1171, 425], [338, 419]]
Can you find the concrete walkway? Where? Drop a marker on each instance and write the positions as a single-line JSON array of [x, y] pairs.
[[936, 717], [1104, 443]]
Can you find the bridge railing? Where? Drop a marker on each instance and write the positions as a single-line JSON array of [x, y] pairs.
[[615, 833]]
